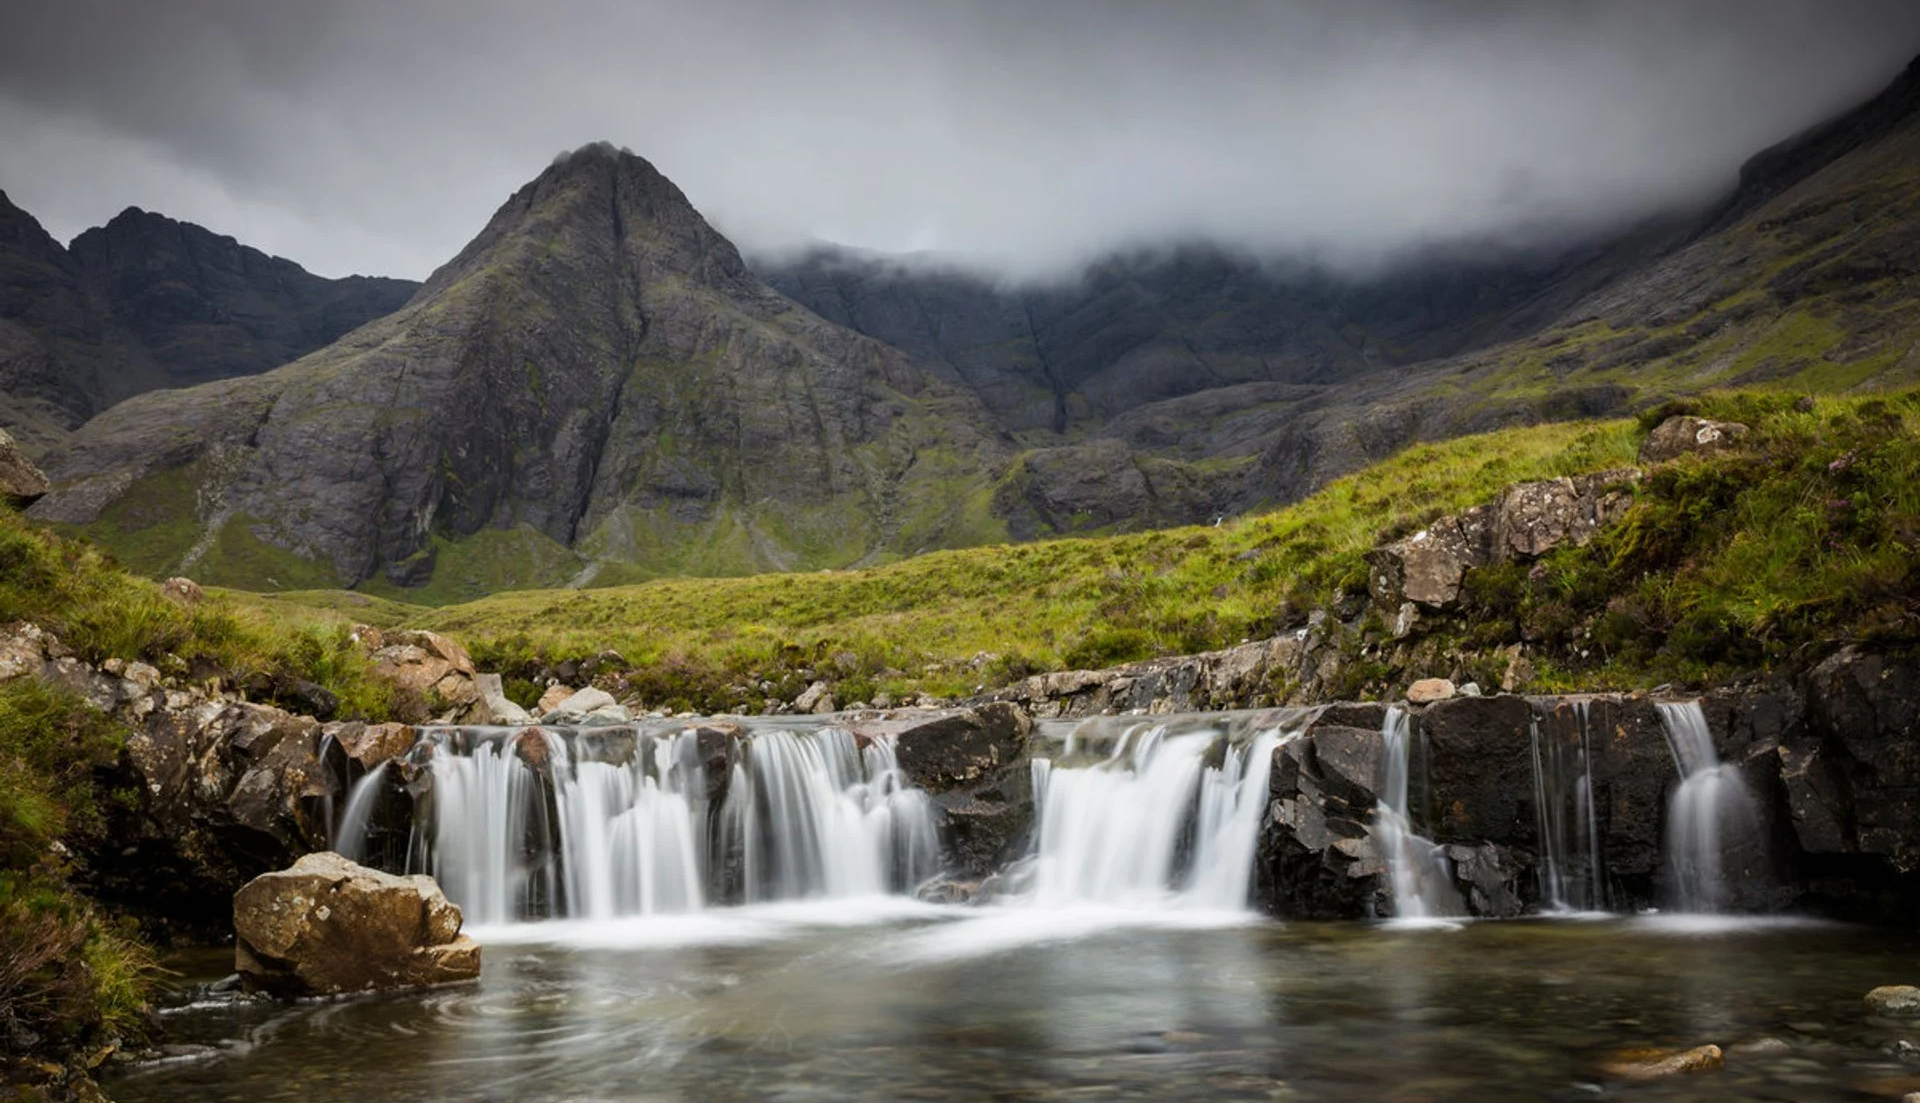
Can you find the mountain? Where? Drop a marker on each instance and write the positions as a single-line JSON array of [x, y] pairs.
[[1176, 387], [146, 302], [595, 387]]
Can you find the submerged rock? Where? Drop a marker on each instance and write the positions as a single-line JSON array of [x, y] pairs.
[[328, 926], [1895, 1001], [1653, 1064]]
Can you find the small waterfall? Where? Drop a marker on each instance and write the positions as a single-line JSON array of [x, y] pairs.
[[814, 815], [1167, 818], [350, 840], [608, 823], [1708, 813], [1420, 873], [1571, 878]]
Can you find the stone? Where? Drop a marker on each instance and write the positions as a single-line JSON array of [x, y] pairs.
[[1653, 1064], [1427, 567], [429, 665], [494, 707], [1684, 435], [329, 926], [811, 697], [591, 707], [21, 481], [1533, 518], [1895, 1001], [183, 591], [1428, 690], [973, 763], [550, 700]]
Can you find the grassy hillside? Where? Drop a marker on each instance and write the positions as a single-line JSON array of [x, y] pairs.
[[1726, 565]]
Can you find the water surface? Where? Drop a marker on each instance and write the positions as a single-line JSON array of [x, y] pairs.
[[897, 1001]]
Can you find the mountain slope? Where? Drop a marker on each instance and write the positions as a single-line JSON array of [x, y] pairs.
[[595, 387], [1164, 390], [146, 302]]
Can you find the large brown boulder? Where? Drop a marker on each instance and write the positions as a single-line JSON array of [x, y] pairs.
[[430, 668], [21, 482], [328, 926]]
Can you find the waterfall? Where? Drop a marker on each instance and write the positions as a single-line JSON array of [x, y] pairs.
[[812, 815], [1568, 823], [1708, 813], [350, 840], [1418, 869], [1168, 818], [608, 823]]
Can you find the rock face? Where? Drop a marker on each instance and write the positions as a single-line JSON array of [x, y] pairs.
[[1684, 436], [327, 926], [146, 302], [596, 379], [21, 483], [974, 764], [1527, 521]]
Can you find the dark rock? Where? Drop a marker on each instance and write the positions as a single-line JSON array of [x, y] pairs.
[[327, 926], [974, 764]]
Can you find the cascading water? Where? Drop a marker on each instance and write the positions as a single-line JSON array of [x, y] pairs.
[[1571, 877], [350, 838], [1421, 875], [1708, 813], [1170, 817], [608, 823]]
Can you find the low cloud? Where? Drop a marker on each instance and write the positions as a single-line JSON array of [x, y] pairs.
[[364, 136]]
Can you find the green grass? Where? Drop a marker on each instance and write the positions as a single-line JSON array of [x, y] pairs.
[[948, 622]]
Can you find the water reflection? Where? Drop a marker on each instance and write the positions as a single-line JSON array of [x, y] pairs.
[[812, 1011]]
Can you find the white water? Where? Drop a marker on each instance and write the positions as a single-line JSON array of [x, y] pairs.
[[808, 815], [1420, 873], [1708, 812], [350, 839], [1568, 823], [1154, 825]]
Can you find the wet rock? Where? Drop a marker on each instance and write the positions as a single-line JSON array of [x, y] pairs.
[[1761, 1047], [328, 926], [973, 763], [1895, 1001], [1316, 858], [1654, 1064], [369, 745], [183, 591], [1685, 435], [718, 742], [1428, 690], [21, 482]]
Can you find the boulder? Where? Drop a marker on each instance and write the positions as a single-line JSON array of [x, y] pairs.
[[493, 706], [974, 764], [1427, 567], [1653, 1064], [21, 482], [813, 697], [328, 926], [589, 706], [1428, 690], [1686, 435], [1533, 518], [1895, 1001], [184, 591], [430, 665], [550, 700]]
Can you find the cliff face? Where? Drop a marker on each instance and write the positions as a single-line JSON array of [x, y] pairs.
[[145, 303], [595, 381]]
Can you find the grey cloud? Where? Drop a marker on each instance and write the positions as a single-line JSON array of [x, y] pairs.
[[372, 135]]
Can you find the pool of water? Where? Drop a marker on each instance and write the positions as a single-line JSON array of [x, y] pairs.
[[903, 1002]]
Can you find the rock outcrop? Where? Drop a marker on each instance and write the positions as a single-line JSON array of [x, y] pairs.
[[974, 763], [327, 926], [21, 483], [1684, 435]]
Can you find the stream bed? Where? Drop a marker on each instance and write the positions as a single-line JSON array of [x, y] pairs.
[[891, 1000]]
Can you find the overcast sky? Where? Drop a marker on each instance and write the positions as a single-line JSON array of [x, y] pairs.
[[378, 135]]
